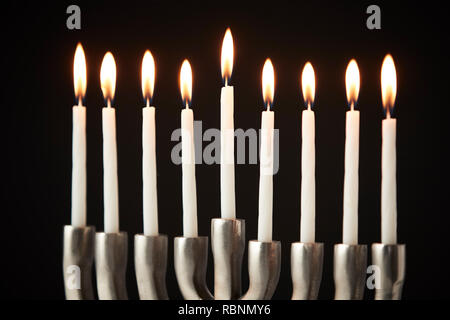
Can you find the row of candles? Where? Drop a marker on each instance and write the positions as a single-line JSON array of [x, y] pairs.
[[227, 179]]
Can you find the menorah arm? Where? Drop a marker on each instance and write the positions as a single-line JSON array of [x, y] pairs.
[[264, 266], [391, 261], [78, 257], [306, 270], [150, 261], [191, 260], [111, 251], [228, 245]]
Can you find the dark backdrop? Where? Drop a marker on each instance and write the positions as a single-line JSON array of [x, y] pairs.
[[37, 96]]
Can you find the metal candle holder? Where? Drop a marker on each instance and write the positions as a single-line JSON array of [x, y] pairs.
[[391, 259], [150, 261], [78, 256], [306, 270], [350, 264], [228, 244], [111, 250]]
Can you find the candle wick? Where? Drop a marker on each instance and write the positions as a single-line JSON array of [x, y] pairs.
[[148, 102], [226, 82], [309, 106], [80, 101], [187, 105], [109, 103], [388, 113], [352, 106]]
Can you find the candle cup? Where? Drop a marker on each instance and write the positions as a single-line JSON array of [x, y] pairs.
[[306, 270], [191, 260], [150, 260], [228, 245], [78, 256], [264, 265], [111, 250], [391, 261], [350, 263]]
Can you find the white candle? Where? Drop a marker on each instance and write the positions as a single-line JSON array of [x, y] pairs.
[[188, 155], [266, 157], [227, 185], [308, 182], [110, 183], [79, 142], [149, 192], [350, 223], [388, 162]]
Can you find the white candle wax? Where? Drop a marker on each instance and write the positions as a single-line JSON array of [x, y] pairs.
[[308, 183], [350, 224], [79, 167], [266, 178], [110, 183], [188, 168], [227, 191], [150, 200], [389, 183]]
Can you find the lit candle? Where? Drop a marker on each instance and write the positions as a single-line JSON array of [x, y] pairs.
[[266, 156], [308, 184], [388, 152], [350, 224], [227, 192], [79, 141], [188, 154], [110, 184], [149, 192]]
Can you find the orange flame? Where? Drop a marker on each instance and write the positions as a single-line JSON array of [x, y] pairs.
[[352, 83], [388, 84], [148, 76], [108, 77], [79, 73], [227, 56], [308, 84], [186, 83], [268, 83]]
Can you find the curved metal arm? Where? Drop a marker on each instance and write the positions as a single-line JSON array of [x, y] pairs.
[[350, 263], [264, 265], [306, 270], [228, 245], [391, 259], [191, 259], [78, 256], [150, 261], [111, 250]]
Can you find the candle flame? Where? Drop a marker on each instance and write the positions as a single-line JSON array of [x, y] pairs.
[[148, 76], [186, 83], [79, 73], [308, 84], [388, 84], [108, 77], [268, 83], [352, 83], [227, 56]]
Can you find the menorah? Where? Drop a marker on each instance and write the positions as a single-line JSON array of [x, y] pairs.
[[82, 245]]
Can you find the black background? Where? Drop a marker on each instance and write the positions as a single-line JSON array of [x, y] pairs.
[[37, 96]]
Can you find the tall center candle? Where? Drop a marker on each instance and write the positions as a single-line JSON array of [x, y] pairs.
[[308, 183], [265, 206], [227, 185], [350, 223], [149, 191], [190, 228], [388, 152], [79, 141], [110, 183]]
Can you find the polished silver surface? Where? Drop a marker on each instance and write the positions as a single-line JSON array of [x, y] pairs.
[[391, 261], [350, 263], [150, 261], [191, 260], [228, 245], [264, 265], [306, 270], [78, 256], [111, 250]]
